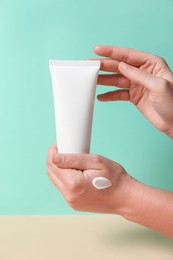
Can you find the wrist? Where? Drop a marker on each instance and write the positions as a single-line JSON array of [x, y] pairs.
[[148, 206], [124, 200], [133, 194], [132, 199]]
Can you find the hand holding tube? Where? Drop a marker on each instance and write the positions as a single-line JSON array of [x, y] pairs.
[[73, 175], [144, 79]]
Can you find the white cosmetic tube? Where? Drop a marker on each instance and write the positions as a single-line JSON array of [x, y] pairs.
[[74, 87]]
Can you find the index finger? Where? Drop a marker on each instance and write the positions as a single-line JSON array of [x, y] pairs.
[[128, 55], [79, 161]]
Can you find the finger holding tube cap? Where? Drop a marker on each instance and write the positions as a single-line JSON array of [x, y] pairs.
[[101, 183]]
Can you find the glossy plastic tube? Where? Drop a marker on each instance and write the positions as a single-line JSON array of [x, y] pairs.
[[74, 86]]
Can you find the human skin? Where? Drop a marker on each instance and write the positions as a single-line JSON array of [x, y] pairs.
[[72, 174], [144, 79], [147, 82]]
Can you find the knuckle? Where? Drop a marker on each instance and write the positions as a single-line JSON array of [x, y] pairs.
[[71, 199], [73, 186], [76, 207], [72, 160], [96, 159], [164, 86], [161, 60]]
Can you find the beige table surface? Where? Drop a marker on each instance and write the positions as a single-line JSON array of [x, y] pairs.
[[94, 237]]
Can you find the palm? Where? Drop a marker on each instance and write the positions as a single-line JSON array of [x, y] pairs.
[[149, 75], [140, 96]]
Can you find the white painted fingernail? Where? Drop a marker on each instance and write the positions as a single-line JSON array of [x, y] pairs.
[[101, 183]]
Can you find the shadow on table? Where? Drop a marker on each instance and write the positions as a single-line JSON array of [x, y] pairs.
[[137, 237]]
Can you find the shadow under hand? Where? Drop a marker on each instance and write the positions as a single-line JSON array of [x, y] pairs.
[[140, 236]]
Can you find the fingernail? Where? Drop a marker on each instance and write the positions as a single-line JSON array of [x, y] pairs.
[[96, 48], [58, 158]]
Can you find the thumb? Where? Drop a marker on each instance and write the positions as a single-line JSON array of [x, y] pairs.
[[138, 76], [76, 161]]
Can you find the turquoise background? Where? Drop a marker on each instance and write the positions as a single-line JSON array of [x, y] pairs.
[[31, 33]]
